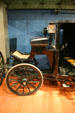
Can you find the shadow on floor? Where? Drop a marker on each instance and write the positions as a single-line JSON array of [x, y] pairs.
[[67, 92], [47, 87]]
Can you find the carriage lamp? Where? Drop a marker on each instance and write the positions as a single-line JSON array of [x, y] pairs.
[[52, 35], [51, 28]]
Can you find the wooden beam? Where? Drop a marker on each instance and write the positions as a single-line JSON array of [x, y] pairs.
[[40, 4]]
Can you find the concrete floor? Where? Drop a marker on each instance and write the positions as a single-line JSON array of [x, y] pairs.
[[49, 99]]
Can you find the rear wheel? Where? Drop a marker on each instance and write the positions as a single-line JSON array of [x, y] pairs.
[[70, 82], [24, 79], [1, 68]]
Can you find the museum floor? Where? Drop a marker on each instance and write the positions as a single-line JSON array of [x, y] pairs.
[[49, 99]]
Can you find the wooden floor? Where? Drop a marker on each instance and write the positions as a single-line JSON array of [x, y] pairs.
[[49, 99]]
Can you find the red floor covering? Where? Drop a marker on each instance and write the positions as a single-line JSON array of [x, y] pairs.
[[49, 99]]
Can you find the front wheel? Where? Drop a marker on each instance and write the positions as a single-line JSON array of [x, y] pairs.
[[1, 68], [24, 79]]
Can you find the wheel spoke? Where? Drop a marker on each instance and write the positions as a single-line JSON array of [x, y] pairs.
[[32, 85], [14, 84], [34, 81], [23, 90], [18, 88], [28, 88], [13, 74], [13, 80]]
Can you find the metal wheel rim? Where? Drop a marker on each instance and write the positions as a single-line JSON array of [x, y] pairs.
[[27, 84]]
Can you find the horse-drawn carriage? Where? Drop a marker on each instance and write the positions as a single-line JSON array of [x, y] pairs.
[[23, 77]]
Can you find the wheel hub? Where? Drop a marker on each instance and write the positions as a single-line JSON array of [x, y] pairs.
[[24, 81]]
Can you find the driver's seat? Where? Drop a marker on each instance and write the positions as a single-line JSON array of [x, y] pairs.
[[20, 56]]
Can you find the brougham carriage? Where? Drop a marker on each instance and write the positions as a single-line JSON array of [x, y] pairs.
[[23, 77]]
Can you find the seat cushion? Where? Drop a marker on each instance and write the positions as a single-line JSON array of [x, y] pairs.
[[20, 55]]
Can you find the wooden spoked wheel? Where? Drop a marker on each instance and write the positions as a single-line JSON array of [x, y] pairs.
[[24, 79], [1, 67]]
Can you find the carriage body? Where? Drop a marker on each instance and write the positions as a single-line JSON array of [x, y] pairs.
[[21, 72]]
